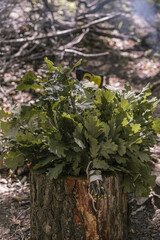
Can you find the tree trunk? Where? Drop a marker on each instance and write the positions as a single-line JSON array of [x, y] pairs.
[[62, 210]]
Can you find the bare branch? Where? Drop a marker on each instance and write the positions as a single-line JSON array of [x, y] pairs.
[[25, 45], [86, 54], [76, 40], [155, 85]]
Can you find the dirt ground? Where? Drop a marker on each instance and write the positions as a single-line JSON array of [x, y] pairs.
[[144, 219], [14, 209]]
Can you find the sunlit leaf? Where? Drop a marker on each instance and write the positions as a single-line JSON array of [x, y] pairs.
[[156, 125], [77, 64], [50, 65], [135, 127], [124, 104]]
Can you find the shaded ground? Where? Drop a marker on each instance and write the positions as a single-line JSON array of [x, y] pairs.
[[144, 213], [144, 220], [14, 209]]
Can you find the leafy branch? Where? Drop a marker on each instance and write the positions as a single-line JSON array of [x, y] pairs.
[[72, 123]]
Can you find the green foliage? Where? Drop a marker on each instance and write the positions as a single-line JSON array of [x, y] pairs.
[[72, 123], [28, 81]]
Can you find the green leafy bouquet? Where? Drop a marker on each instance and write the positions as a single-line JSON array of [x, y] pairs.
[[73, 123]]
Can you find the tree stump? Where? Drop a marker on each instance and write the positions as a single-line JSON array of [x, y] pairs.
[[62, 210]]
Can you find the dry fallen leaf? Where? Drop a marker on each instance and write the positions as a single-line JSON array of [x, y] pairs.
[[16, 221]]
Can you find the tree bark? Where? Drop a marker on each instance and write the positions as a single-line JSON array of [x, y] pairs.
[[62, 210]]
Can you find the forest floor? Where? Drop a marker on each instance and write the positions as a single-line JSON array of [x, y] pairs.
[[14, 208]]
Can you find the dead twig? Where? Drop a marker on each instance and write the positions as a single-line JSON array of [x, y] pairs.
[[5, 94], [155, 85], [67, 50], [76, 40], [22, 213], [21, 50]]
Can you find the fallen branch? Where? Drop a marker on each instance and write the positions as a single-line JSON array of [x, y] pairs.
[[59, 33], [76, 40], [24, 46], [155, 85], [86, 54]]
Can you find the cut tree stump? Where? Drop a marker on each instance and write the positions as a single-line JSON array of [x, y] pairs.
[[62, 210]]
